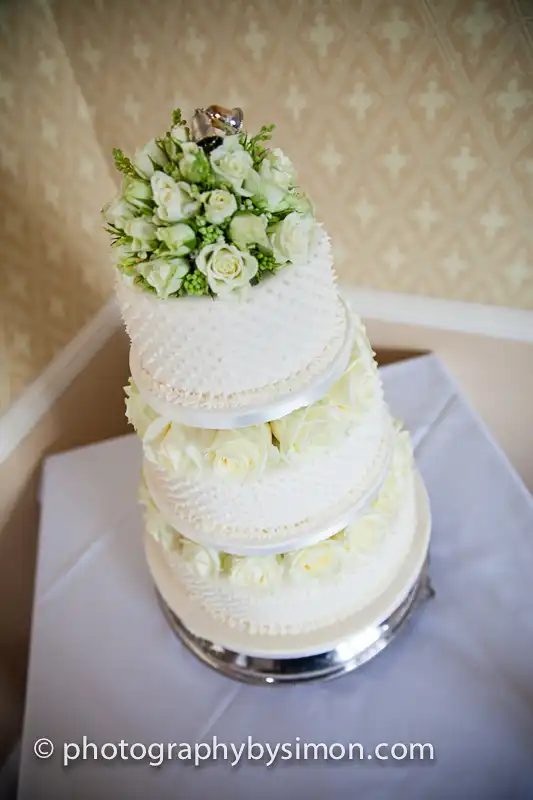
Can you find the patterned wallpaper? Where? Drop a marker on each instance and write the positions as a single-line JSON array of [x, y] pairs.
[[410, 123]]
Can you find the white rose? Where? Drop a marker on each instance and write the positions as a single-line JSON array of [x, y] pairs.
[[160, 530], [262, 571], [118, 211], [179, 238], [316, 561], [402, 459], [271, 196], [300, 202], [194, 166], [273, 185], [143, 233], [226, 268], [152, 438], [243, 451], [247, 229], [401, 470], [232, 164], [175, 200], [355, 391], [293, 238], [129, 273], [137, 192], [143, 495], [139, 413], [203, 560], [277, 169], [179, 133], [124, 255], [176, 448], [387, 502], [219, 205], [164, 274], [147, 160], [364, 534], [307, 428]]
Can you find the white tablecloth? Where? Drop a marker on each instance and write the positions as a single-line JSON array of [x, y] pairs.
[[105, 665]]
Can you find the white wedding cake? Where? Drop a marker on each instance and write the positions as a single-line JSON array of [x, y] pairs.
[[280, 497]]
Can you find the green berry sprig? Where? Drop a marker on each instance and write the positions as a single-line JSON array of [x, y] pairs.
[[266, 262], [211, 234], [196, 283], [173, 170]]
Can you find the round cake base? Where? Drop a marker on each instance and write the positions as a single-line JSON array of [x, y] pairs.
[[326, 653], [341, 660]]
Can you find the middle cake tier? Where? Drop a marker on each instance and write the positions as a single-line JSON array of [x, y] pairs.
[[271, 487]]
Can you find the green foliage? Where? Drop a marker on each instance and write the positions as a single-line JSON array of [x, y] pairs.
[[143, 284], [177, 119], [278, 216], [173, 170], [115, 233], [169, 147], [123, 163], [129, 265], [254, 144]]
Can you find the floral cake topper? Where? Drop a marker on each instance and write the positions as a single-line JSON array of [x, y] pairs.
[[207, 210]]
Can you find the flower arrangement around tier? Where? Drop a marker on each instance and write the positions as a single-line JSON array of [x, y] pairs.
[[247, 452], [321, 560], [193, 219]]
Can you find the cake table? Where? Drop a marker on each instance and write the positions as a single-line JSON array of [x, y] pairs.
[[105, 665]]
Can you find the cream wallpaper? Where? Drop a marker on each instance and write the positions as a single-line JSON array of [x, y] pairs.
[[410, 122]]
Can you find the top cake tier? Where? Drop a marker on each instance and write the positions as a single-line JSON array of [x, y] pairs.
[[225, 279], [288, 337]]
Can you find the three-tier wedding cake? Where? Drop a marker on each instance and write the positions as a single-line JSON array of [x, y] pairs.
[[282, 506]]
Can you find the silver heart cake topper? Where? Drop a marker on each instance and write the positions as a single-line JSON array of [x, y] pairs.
[[216, 121], [228, 120]]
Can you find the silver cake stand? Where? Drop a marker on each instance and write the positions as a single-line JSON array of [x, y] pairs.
[[346, 657], [319, 655]]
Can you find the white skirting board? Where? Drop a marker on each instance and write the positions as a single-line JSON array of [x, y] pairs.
[[22, 416], [500, 322], [451, 315]]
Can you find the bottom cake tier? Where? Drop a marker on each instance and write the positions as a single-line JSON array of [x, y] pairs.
[[304, 600]]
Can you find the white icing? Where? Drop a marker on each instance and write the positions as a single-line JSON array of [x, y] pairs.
[[180, 449], [330, 457], [285, 500], [199, 351], [320, 585]]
